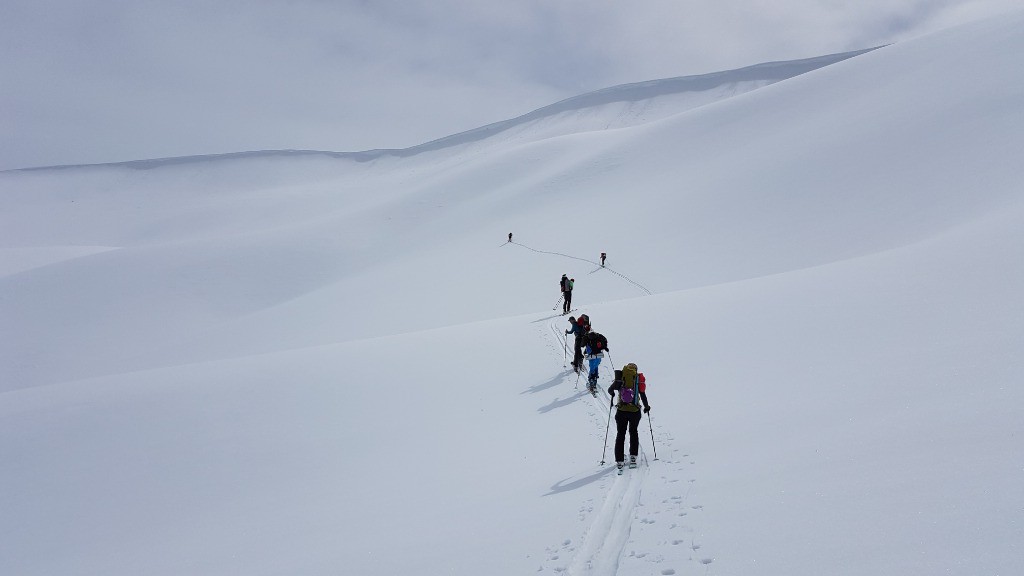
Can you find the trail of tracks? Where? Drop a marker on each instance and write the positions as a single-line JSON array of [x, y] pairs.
[[606, 537], [619, 274], [647, 521]]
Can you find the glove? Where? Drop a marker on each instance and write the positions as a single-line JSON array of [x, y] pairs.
[[647, 409]]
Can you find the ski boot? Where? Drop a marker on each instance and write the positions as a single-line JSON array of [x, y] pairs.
[[632, 461], [618, 466]]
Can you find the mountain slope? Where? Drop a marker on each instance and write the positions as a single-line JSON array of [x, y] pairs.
[[306, 364]]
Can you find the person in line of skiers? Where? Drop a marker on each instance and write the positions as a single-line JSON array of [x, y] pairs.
[[632, 388], [509, 236], [579, 330], [603, 255], [595, 346], [565, 285]]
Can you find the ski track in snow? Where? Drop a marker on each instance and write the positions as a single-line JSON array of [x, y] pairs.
[[598, 264], [647, 521]]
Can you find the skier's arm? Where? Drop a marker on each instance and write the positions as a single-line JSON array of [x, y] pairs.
[[643, 397], [615, 386]]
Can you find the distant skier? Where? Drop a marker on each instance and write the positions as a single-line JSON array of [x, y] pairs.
[[603, 255], [509, 236], [594, 347], [579, 330], [632, 388], [565, 285]]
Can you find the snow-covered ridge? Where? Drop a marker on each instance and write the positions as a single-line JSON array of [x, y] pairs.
[[637, 102]]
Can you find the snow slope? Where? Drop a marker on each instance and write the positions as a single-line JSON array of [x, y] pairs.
[[308, 363]]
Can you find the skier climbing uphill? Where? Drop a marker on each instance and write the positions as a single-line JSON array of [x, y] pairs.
[[565, 285], [632, 388], [579, 330], [595, 346]]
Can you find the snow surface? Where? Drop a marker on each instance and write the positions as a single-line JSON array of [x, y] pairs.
[[315, 363]]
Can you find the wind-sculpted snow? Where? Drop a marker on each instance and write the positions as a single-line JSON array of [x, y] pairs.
[[297, 363], [638, 103]]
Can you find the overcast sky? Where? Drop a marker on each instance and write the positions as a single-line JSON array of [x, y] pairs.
[[84, 81]]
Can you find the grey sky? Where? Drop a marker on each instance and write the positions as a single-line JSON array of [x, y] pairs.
[[85, 81]]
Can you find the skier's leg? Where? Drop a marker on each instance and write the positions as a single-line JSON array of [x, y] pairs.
[[634, 435], [620, 435]]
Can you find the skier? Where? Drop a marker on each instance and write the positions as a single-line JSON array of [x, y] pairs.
[[579, 330], [594, 348], [509, 236], [632, 388], [603, 255], [565, 285]]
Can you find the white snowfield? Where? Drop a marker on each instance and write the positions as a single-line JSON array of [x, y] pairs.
[[302, 362]]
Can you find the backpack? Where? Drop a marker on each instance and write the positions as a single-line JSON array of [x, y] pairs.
[[633, 383], [597, 342], [564, 284], [584, 322]]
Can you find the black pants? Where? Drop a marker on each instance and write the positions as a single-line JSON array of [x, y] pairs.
[[566, 300], [577, 353], [622, 420]]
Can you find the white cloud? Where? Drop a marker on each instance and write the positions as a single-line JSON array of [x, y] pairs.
[[94, 81]]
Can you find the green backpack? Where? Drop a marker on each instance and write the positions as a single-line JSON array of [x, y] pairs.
[[629, 393]]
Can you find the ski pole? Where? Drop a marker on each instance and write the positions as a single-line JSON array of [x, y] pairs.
[[565, 350], [652, 435], [611, 405], [556, 303]]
